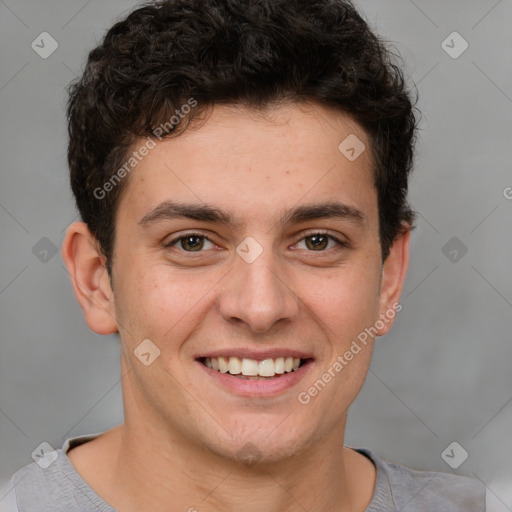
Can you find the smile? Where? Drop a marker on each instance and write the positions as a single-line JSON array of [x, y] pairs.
[[252, 368]]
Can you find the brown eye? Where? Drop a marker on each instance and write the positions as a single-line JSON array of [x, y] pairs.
[[192, 242], [320, 242], [317, 242]]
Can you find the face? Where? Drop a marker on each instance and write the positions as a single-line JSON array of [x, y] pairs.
[[252, 236]]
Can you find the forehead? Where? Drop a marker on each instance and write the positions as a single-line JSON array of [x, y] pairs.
[[243, 161]]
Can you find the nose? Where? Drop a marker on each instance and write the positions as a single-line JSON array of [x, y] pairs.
[[257, 295]]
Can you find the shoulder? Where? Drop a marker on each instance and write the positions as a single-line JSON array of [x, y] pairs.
[[408, 489], [51, 485], [37, 488]]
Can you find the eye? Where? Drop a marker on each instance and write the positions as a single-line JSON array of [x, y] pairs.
[[319, 242], [191, 242]]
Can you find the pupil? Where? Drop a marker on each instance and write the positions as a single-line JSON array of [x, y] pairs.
[[187, 243], [317, 242]]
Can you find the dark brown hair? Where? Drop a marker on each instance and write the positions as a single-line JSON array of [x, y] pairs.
[[249, 52]]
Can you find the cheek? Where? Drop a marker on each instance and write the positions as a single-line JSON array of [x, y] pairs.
[[346, 301], [160, 305], [343, 311]]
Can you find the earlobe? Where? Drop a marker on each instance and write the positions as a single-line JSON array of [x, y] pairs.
[[393, 277], [91, 283]]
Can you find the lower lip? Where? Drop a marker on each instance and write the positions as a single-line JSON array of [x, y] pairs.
[[263, 387]]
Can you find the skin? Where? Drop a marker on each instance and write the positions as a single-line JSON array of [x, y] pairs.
[[180, 444]]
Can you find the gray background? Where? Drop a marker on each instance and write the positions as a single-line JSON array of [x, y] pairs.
[[442, 375]]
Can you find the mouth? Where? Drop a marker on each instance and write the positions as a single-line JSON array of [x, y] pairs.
[[252, 369]]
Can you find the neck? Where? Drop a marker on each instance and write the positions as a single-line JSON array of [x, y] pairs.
[[190, 479], [145, 465]]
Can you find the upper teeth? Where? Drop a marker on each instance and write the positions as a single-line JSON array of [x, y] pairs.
[[265, 368]]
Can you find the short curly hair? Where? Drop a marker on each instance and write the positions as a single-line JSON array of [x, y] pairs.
[[250, 52]]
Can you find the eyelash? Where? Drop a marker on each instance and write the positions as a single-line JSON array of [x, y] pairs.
[[340, 245], [314, 233]]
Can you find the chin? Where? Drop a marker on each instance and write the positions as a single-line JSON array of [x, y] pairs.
[[260, 446]]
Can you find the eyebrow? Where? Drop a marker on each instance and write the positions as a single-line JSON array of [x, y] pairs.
[[171, 210]]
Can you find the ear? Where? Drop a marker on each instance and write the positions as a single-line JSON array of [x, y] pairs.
[[91, 283], [393, 276]]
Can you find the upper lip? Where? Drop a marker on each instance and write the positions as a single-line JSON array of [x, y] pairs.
[[260, 355]]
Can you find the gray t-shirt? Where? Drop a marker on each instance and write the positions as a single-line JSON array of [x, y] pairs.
[[59, 488]]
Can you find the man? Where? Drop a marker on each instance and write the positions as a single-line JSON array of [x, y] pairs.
[[240, 167]]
